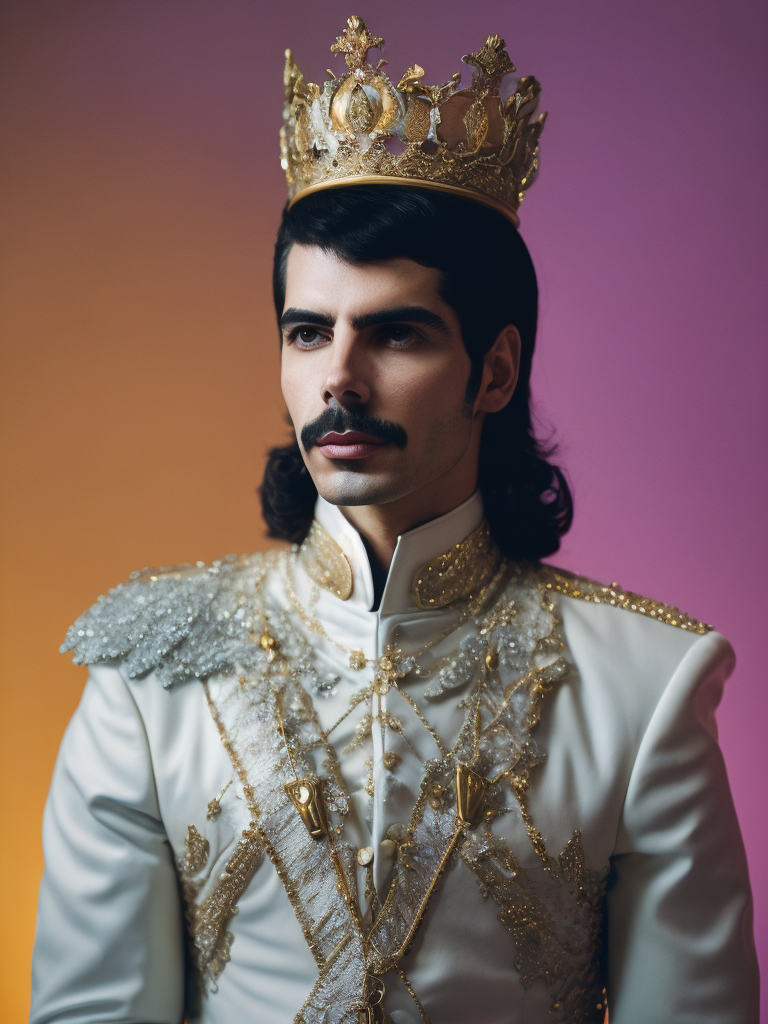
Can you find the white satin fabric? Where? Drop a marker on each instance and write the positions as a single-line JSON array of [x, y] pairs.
[[632, 761]]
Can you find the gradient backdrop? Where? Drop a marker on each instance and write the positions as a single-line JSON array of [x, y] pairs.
[[141, 192]]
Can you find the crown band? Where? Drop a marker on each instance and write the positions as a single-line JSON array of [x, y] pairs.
[[359, 128], [435, 186]]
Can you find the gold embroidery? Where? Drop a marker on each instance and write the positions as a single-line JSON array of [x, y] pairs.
[[431, 830], [555, 918], [362, 732], [357, 658], [318, 886], [555, 915], [458, 573], [196, 857], [392, 666], [207, 920], [394, 654], [326, 563], [453, 576], [495, 742], [364, 728], [293, 896], [214, 806], [588, 590], [368, 787], [495, 734]]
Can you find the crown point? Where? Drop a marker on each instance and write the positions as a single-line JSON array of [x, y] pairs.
[[355, 42], [491, 64], [411, 77], [293, 80]]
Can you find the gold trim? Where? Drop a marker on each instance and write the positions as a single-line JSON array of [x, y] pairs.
[[458, 573], [570, 585], [453, 575], [208, 936], [197, 850], [312, 929], [325, 562], [435, 186]]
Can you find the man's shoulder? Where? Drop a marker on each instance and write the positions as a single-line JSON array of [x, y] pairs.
[[631, 646], [183, 620], [612, 595]]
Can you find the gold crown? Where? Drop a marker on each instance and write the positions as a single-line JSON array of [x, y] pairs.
[[359, 128]]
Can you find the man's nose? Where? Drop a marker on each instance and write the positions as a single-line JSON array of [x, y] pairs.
[[346, 381]]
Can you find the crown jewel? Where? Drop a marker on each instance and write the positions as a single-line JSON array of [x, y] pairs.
[[359, 128]]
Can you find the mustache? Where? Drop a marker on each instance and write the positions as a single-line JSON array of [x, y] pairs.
[[338, 420]]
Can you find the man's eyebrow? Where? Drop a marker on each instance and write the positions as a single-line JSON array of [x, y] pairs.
[[396, 315], [305, 316], [399, 315]]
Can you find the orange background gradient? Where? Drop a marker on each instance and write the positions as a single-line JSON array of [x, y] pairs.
[[141, 193], [139, 394]]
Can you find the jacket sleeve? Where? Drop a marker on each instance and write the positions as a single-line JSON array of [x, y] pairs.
[[109, 943], [679, 942]]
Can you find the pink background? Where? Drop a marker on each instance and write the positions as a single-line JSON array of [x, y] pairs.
[[141, 193]]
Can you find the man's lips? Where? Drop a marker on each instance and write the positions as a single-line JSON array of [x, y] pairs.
[[349, 445]]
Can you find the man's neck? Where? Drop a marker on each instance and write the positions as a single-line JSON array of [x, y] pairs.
[[381, 525]]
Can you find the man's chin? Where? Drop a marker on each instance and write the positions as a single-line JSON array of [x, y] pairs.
[[351, 488]]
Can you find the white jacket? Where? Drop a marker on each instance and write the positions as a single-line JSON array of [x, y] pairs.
[[629, 760]]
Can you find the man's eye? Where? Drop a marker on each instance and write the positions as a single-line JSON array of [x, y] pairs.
[[307, 337], [401, 335]]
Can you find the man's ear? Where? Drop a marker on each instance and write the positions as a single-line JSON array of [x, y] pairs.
[[501, 366]]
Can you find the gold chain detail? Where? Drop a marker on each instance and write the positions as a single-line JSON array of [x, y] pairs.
[[357, 659], [422, 719], [387, 667], [412, 994]]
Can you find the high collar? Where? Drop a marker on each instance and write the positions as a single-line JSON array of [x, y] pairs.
[[411, 551]]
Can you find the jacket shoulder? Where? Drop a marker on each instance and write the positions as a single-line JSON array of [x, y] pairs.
[[583, 589], [183, 620]]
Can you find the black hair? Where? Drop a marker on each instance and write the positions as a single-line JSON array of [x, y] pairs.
[[488, 278]]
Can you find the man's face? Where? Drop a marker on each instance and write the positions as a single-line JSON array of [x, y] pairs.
[[374, 374]]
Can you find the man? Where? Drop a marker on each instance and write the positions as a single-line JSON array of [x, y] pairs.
[[403, 771]]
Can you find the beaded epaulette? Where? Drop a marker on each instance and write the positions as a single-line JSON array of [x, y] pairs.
[[571, 585], [184, 622]]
